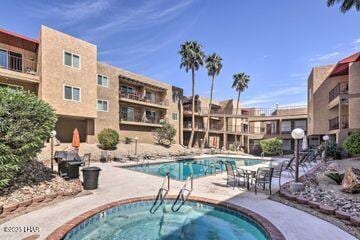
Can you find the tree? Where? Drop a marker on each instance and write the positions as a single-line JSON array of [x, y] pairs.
[[192, 58], [165, 134], [25, 123], [241, 82], [108, 138], [213, 65], [346, 4]]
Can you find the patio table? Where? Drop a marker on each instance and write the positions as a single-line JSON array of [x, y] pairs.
[[252, 169]]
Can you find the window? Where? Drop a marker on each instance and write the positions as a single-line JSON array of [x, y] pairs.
[[286, 126], [175, 116], [127, 114], [150, 116], [102, 105], [72, 93], [127, 90], [175, 97], [287, 144], [3, 58], [12, 87], [300, 124], [72, 60], [102, 80], [150, 97]]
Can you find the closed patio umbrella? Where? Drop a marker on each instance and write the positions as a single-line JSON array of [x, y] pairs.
[[304, 145], [76, 139]]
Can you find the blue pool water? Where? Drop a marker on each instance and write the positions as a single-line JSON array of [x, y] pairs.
[[193, 221], [181, 169]]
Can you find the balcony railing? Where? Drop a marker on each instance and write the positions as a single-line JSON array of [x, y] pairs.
[[334, 123], [139, 97], [17, 64], [238, 128], [340, 88], [138, 119], [198, 126]]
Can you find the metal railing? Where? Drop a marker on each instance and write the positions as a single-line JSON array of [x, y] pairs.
[[140, 119], [163, 191], [334, 123], [184, 194], [17, 64], [139, 97], [345, 122], [340, 88]]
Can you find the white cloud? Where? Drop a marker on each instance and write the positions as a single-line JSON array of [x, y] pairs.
[[324, 57], [356, 41], [271, 96]]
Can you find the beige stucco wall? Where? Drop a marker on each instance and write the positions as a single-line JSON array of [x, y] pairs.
[[54, 74], [354, 93]]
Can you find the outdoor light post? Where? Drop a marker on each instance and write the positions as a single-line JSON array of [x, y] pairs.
[[136, 141], [326, 139], [52, 135], [297, 134]]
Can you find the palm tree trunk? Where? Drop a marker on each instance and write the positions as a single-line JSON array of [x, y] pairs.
[[237, 109], [193, 110], [206, 138]]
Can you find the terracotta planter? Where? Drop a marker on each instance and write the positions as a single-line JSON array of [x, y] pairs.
[[342, 215], [314, 205], [327, 209], [10, 208], [302, 200], [39, 199]]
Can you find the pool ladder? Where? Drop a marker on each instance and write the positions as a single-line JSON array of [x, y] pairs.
[[163, 191], [214, 166], [183, 195]]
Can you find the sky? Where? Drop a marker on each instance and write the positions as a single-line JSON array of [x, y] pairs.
[[275, 42]]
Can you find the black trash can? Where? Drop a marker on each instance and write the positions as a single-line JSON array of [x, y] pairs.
[[90, 176]]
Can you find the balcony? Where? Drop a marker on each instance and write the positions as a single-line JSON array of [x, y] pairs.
[[138, 98], [198, 126], [340, 88], [138, 121], [335, 124]]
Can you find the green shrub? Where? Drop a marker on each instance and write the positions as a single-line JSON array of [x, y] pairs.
[[128, 140], [336, 176], [25, 124], [108, 138], [332, 150], [165, 134], [272, 146], [352, 143]]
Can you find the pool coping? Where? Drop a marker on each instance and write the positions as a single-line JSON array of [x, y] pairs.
[[269, 228]]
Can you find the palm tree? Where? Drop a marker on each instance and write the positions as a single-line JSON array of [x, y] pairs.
[[241, 81], [192, 58], [346, 4], [213, 65]]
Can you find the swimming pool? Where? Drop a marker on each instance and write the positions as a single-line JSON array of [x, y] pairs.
[[195, 220], [181, 169]]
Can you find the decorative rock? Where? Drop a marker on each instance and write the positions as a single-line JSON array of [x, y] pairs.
[[289, 196], [302, 200], [327, 209], [10, 208], [333, 167], [342, 215], [313, 204], [351, 181], [39, 199], [355, 221], [25, 203], [52, 196]]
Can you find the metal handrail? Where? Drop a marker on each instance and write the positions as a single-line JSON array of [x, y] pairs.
[[182, 194], [161, 194]]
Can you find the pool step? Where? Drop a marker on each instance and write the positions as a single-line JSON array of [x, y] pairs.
[[173, 224]]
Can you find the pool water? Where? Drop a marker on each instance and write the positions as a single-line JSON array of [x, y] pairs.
[[181, 169], [193, 221]]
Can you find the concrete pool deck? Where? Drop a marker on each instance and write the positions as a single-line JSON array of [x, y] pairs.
[[118, 183]]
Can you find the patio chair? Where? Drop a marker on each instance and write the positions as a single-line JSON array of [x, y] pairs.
[[288, 166], [233, 174], [263, 177], [119, 158], [104, 156], [85, 158], [277, 171]]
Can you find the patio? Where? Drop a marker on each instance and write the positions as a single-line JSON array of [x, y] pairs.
[[119, 183]]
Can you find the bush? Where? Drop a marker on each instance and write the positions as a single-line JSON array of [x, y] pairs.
[[128, 140], [336, 176], [165, 134], [108, 138], [272, 146], [332, 150], [352, 143], [25, 123]]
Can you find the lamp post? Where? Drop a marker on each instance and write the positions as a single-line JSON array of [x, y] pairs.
[[326, 139], [52, 135], [297, 134], [136, 141]]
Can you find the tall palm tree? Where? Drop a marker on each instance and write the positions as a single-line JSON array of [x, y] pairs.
[[346, 4], [241, 82], [192, 58], [213, 65]]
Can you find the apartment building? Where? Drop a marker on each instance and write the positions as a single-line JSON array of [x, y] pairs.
[[334, 100], [87, 94], [247, 126]]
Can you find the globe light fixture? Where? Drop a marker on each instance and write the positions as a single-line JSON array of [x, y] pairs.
[[297, 133], [326, 138], [52, 135]]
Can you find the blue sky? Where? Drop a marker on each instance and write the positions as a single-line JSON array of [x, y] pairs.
[[275, 42]]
